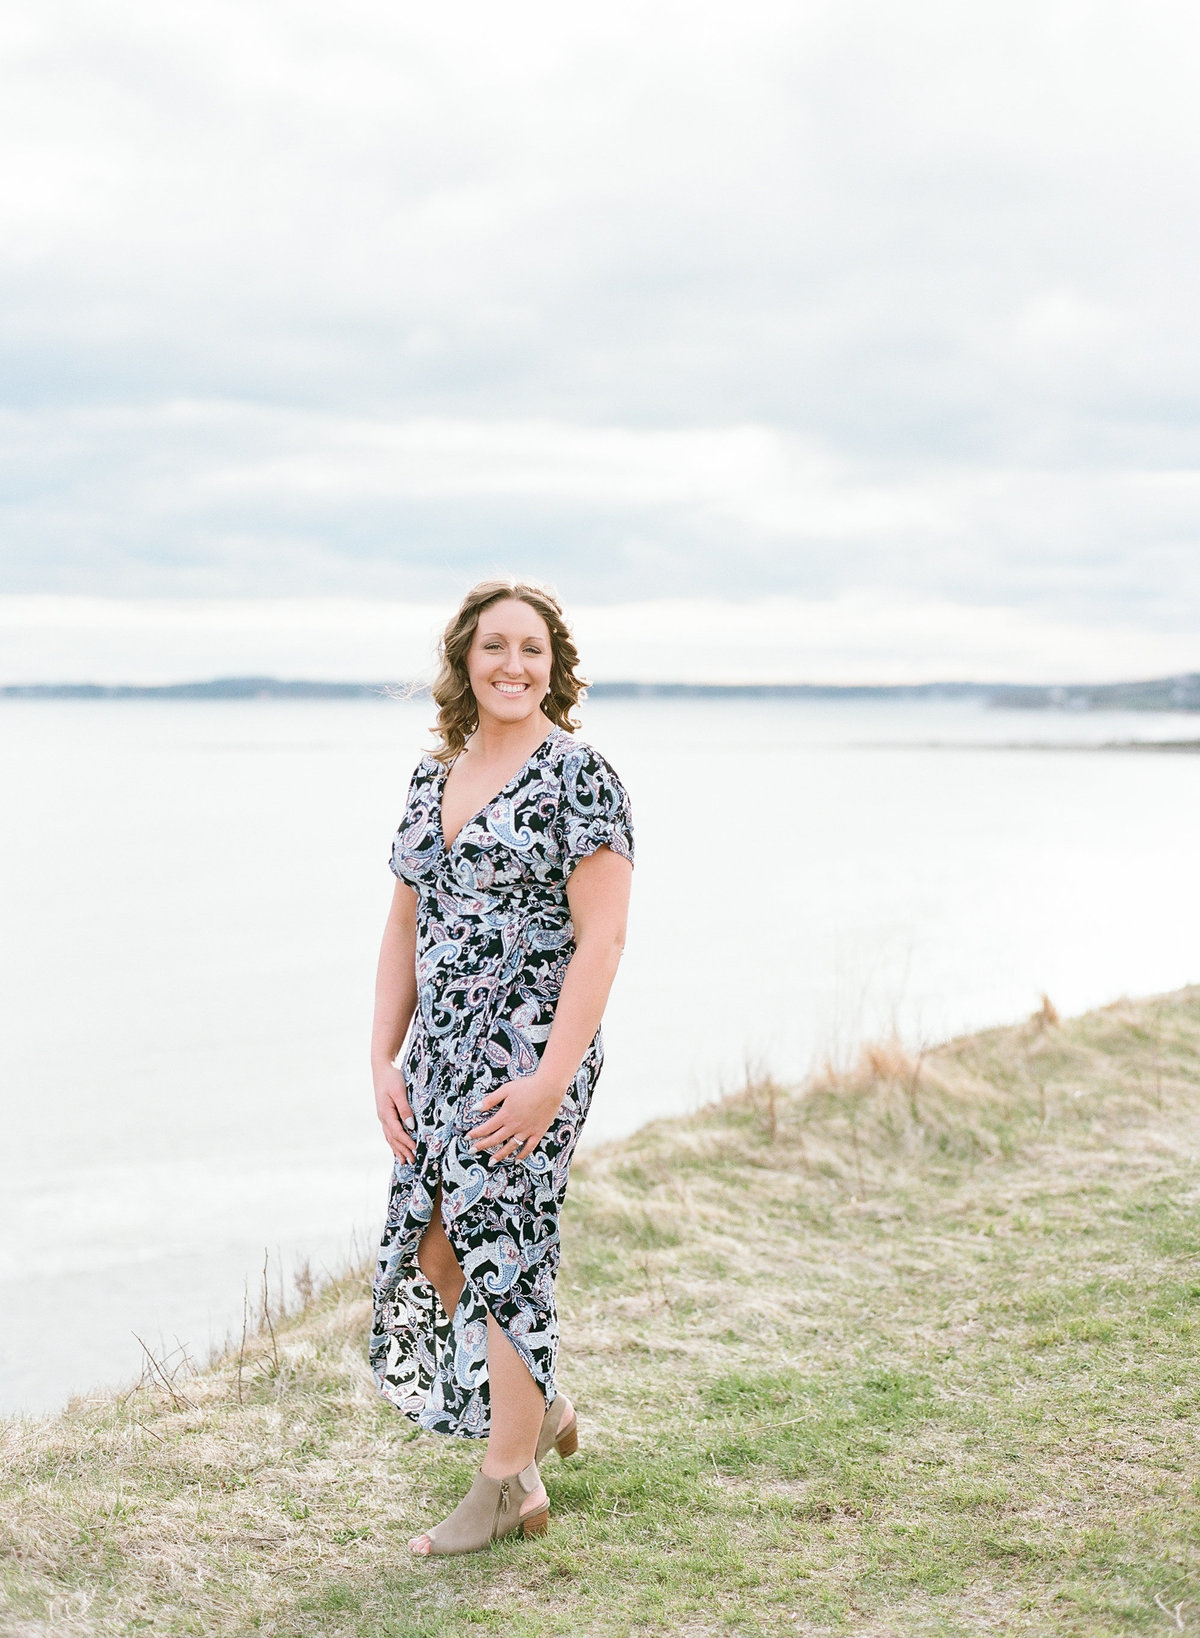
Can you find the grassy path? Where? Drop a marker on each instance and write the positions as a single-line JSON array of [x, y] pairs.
[[913, 1351]]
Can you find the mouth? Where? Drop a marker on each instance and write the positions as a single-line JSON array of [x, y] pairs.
[[512, 690]]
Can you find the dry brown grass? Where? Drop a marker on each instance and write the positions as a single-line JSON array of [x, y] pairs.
[[908, 1349]]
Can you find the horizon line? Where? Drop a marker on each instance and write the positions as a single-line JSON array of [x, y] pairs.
[[1183, 688]]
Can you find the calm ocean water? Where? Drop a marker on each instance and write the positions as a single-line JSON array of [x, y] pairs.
[[193, 897]]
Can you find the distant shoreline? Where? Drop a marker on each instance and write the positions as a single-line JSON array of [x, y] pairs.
[[1190, 746], [1180, 693]]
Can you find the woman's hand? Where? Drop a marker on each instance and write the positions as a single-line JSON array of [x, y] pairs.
[[520, 1119], [395, 1112]]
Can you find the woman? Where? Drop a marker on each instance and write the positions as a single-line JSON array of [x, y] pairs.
[[514, 861]]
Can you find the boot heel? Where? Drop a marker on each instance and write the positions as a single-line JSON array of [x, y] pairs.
[[536, 1524], [552, 1435]]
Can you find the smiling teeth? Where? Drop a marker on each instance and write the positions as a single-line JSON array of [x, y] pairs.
[[510, 688]]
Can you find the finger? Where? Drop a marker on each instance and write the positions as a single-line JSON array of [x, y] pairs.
[[504, 1152], [402, 1144], [490, 1129], [494, 1097], [516, 1147]]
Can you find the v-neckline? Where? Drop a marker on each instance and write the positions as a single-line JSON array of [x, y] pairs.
[[448, 847]]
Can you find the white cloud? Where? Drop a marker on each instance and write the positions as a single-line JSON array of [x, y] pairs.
[[229, 498], [851, 638], [723, 298]]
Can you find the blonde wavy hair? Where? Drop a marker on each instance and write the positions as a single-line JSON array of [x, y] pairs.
[[458, 711]]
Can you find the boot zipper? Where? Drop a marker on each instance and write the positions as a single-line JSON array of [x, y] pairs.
[[502, 1509]]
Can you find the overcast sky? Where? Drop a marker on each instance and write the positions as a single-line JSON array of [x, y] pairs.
[[874, 312]]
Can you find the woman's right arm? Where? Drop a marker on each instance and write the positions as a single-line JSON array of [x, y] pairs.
[[395, 1003]]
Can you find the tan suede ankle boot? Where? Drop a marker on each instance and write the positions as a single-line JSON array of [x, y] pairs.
[[489, 1510]]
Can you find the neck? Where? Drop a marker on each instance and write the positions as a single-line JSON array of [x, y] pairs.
[[498, 741]]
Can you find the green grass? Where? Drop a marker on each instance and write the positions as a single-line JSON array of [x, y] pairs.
[[912, 1350]]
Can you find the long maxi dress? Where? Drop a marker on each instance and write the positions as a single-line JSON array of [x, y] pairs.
[[494, 937]]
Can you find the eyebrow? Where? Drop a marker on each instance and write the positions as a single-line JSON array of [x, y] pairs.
[[529, 639]]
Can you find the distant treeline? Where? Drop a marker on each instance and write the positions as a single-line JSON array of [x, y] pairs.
[[1180, 693], [1162, 694]]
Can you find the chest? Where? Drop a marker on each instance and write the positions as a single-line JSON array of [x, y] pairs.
[[489, 840], [465, 793]]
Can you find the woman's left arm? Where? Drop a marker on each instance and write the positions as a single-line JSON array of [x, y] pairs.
[[598, 894]]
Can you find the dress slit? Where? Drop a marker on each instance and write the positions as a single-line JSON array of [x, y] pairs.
[[474, 1295]]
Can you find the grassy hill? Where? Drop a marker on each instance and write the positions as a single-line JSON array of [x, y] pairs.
[[909, 1350]]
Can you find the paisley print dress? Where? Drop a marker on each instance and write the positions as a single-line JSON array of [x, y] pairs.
[[494, 937]]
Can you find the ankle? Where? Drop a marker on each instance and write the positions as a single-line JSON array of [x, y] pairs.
[[499, 1468]]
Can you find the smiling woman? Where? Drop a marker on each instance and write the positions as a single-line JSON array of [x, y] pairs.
[[513, 860]]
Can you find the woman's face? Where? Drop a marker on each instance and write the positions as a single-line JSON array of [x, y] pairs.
[[509, 661]]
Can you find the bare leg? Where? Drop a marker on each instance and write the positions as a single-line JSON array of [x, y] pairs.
[[517, 1403], [436, 1259], [518, 1406]]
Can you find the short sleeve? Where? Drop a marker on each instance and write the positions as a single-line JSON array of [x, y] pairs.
[[594, 810], [413, 841]]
